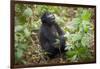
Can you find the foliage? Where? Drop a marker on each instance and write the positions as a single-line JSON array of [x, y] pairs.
[[80, 38], [75, 21]]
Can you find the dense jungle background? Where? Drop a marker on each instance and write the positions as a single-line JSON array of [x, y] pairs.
[[77, 23]]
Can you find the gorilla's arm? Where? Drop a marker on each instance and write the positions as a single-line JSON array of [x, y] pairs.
[[59, 30], [61, 36]]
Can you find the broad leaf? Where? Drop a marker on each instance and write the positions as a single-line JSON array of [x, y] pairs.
[[28, 12]]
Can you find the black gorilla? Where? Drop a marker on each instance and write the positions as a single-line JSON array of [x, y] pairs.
[[49, 32]]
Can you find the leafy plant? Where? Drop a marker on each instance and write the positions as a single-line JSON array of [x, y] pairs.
[[76, 23], [80, 39]]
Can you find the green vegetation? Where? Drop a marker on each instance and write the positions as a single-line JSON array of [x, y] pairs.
[[77, 23]]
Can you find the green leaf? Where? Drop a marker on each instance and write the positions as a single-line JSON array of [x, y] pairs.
[[70, 54], [26, 32], [86, 29], [85, 25], [66, 35], [76, 37], [57, 41], [24, 62], [18, 54], [22, 20], [18, 28], [28, 12], [22, 46], [74, 58], [85, 41], [74, 24], [86, 15]]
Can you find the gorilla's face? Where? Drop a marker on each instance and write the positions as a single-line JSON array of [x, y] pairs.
[[48, 19]]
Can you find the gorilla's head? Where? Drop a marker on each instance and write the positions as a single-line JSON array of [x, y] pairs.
[[48, 18]]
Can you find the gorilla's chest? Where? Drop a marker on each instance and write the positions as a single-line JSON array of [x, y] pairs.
[[53, 31]]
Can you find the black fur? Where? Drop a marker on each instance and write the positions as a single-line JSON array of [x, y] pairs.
[[48, 35]]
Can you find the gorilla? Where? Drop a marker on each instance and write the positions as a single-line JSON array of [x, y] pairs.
[[49, 33]]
